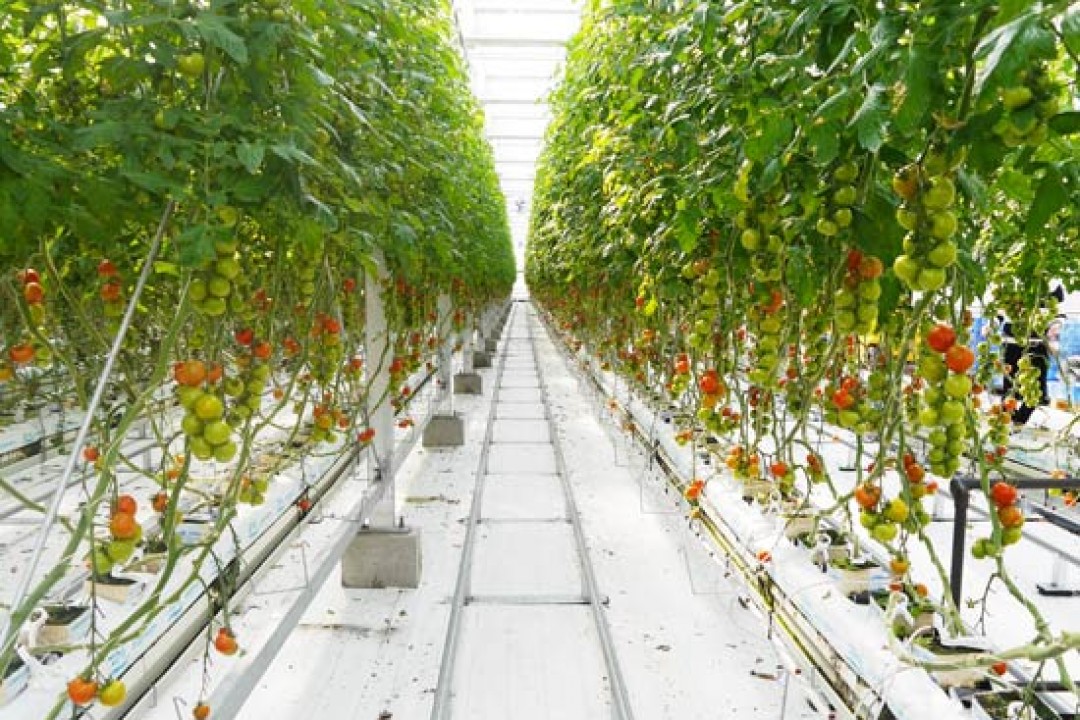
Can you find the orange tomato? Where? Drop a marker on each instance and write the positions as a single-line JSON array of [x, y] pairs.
[[22, 353], [82, 690], [867, 496], [126, 504], [201, 711], [122, 525], [225, 642]]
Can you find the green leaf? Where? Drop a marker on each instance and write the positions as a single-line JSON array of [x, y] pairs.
[[1049, 197], [1066, 123], [871, 118], [921, 67], [216, 33], [686, 228], [251, 156], [1010, 47], [824, 140], [1070, 28], [151, 181], [774, 135], [101, 134], [196, 246]]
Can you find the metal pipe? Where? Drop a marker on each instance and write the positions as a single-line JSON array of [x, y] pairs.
[[961, 500], [84, 430]]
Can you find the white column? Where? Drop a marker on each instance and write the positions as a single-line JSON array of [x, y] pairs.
[[378, 350], [445, 329], [468, 346]]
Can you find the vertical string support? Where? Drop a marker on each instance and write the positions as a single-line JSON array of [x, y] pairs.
[[379, 353]]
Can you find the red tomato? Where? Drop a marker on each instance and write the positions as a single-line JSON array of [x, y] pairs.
[[110, 291], [941, 338], [34, 293], [106, 269], [1003, 494], [959, 358]]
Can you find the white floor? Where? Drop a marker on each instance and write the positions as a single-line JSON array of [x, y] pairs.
[[686, 646]]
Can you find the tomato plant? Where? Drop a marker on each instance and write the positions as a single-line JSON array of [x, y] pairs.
[[808, 199], [227, 174]]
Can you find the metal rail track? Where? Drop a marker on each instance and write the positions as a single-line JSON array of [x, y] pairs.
[[442, 708]]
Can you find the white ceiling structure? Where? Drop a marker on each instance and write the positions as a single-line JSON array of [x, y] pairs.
[[514, 49]]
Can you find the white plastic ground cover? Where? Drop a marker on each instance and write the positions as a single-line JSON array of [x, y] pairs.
[[856, 636], [142, 654]]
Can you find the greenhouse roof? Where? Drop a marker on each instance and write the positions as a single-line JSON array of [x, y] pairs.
[[514, 49]]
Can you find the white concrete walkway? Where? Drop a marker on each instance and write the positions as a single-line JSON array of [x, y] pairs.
[[686, 647]]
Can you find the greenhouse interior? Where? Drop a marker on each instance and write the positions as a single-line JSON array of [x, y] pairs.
[[539, 359]]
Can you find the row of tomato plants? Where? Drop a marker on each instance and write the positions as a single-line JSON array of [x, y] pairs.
[[771, 210], [227, 173]]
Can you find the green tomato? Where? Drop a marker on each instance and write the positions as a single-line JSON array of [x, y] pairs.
[[225, 452], [907, 219], [907, 269], [870, 290], [958, 386], [209, 407], [942, 255], [941, 194], [191, 64], [213, 306], [929, 280], [217, 432], [943, 225], [188, 395], [885, 532], [952, 412], [845, 195], [227, 268], [827, 227], [120, 551], [750, 239], [201, 449], [932, 368], [191, 425], [219, 286], [896, 510]]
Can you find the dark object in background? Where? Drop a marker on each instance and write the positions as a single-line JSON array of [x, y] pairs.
[[1039, 352]]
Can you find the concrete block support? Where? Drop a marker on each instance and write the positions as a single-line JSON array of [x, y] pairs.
[[481, 359], [444, 431], [382, 558], [468, 384], [491, 345]]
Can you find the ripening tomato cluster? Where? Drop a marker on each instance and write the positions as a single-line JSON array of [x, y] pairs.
[[943, 365], [83, 690], [1005, 500], [111, 289], [200, 391], [928, 194], [125, 532], [857, 299], [216, 287]]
